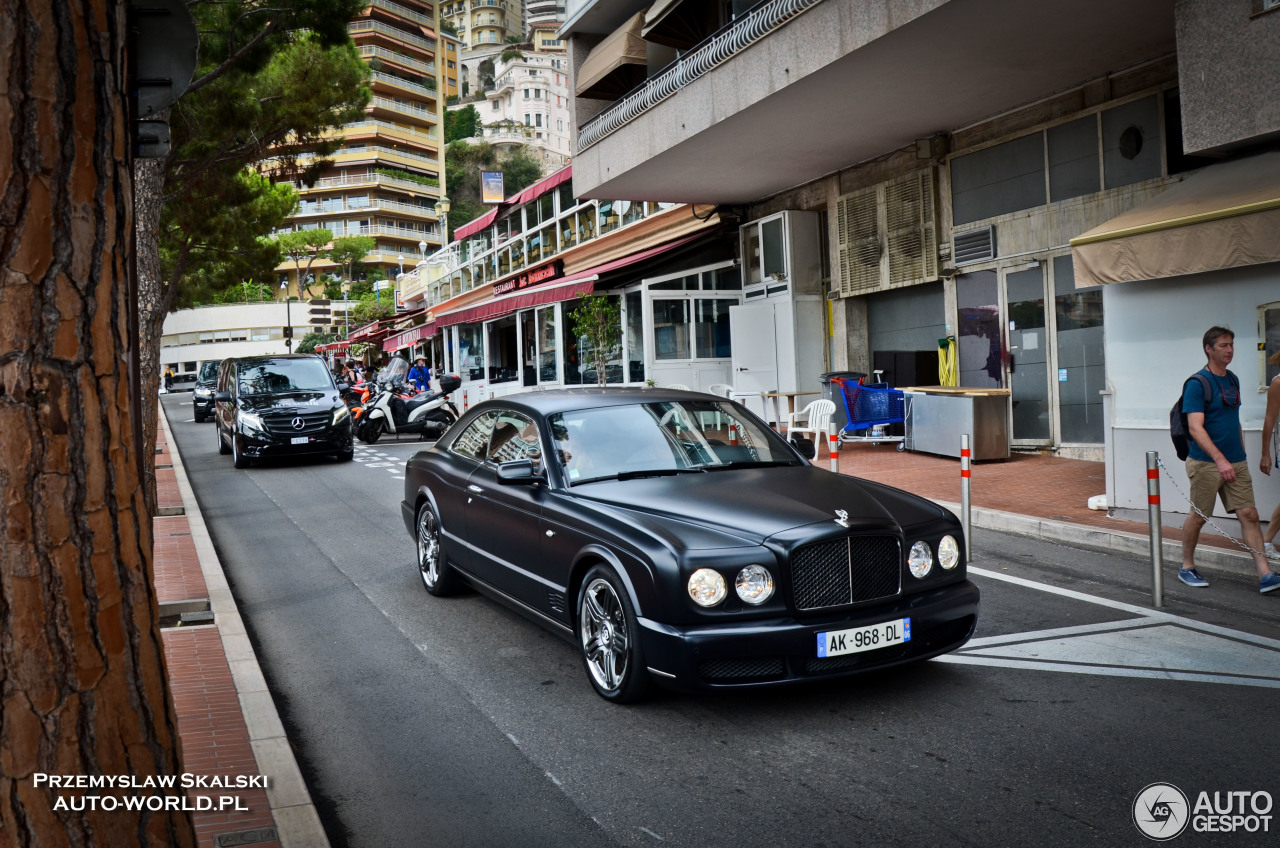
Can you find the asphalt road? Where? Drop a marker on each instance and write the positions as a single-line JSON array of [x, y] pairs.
[[453, 722]]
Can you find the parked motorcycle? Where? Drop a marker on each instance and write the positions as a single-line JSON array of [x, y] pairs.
[[394, 407]]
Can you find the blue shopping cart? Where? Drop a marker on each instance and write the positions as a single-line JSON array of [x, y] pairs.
[[870, 407]]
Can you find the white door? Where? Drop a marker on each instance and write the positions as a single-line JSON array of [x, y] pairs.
[[755, 355]]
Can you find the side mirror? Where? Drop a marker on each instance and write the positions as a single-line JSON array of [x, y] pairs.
[[342, 387], [518, 471], [222, 397]]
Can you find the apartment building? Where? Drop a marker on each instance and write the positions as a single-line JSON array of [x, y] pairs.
[[387, 176], [481, 23], [1063, 195], [529, 106]]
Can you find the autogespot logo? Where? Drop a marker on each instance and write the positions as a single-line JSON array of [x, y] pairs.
[[1160, 811]]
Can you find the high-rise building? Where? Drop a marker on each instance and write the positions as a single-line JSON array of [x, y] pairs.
[[385, 179], [543, 12]]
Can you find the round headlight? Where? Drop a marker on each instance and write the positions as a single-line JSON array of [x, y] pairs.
[[707, 587], [754, 584], [948, 552], [921, 559]]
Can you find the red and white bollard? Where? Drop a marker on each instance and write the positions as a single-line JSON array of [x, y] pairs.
[[464, 400], [1153, 517], [733, 434], [834, 441], [965, 499]]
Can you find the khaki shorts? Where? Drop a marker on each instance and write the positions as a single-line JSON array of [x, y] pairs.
[[1207, 484]]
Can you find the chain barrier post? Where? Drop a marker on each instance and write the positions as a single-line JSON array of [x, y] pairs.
[[965, 499], [835, 456], [1153, 517]]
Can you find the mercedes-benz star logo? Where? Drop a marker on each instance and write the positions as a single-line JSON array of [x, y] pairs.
[[1161, 811], [842, 518], [298, 423]]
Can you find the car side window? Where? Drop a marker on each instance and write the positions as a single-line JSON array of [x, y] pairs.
[[473, 442], [514, 437]]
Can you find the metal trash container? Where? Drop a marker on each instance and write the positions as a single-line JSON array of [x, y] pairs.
[[831, 391]]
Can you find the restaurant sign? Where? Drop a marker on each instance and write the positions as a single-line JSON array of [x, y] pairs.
[[541, 274]]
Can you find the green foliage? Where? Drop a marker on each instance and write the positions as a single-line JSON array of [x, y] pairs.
[[373, 306], [463, 164], [420, 179], [461, 123], [218, 238], [449, 27], [511, 53], [350, 251], [310, 340], [273, 80], [597, 322], [520, 170]]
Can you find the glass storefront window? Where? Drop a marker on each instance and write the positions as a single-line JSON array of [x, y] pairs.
[[774, 255], [671, 329], [500, 345], [609, 219], [711, 328], [579, 369], [1081, 355], [726, 279], [634, 319], [981, 348], [517, 254], [470, 353], [751, 252], [586, 223], [546, 331]]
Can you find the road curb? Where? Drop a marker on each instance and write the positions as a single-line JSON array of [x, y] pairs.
[[1100, 539], [297, 821]]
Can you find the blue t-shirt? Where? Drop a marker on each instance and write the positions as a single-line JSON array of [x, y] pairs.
[[1221, 417]]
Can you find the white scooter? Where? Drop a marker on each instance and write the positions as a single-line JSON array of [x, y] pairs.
[[394, 408]]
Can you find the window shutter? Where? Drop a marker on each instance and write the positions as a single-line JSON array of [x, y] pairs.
[[888, 235], [858, 225]]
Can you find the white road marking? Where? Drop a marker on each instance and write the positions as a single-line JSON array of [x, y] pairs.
[[1156, 645]]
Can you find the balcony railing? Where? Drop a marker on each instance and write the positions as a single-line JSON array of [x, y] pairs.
[[350, 128], [403, 11], [406, 108], [340, 205], [728, 42], [399, 58], [379, 76], [353, 180], [391, 32]]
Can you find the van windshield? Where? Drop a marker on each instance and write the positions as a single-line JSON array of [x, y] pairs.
[[284, 375]]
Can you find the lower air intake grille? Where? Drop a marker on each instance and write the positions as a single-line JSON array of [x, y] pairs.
[[758, 668], [845, 571]]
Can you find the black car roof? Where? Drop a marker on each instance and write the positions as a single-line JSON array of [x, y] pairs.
[[566, 400]]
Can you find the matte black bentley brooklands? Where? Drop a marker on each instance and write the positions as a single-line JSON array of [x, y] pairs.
[[680, 541]]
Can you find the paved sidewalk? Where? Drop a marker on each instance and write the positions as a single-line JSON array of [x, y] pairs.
[[227, 721], [1032, 494]]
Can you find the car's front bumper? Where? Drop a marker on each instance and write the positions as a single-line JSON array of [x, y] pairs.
[[203, 405], [259, 446], [781, 651]]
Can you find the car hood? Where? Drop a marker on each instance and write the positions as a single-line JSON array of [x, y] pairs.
[[291, 402], [748, 506]]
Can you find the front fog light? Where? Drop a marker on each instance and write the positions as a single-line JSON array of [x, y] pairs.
[[948, 552], [920, 560], [707, 587], [754, 584]]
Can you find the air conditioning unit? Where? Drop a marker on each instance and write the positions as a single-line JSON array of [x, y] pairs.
[[888, 235]]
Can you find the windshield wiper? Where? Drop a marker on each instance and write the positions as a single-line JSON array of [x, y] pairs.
[[773, 463], [658, 472]]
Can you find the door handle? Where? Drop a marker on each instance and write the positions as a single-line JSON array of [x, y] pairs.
[[475, 488]]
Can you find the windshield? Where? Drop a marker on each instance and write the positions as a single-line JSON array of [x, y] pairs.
[[209, 370], [276, 376], [395, 371], [654, 439]]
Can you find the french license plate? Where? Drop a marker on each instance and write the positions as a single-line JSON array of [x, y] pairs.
[[833, 643], [299, 440]]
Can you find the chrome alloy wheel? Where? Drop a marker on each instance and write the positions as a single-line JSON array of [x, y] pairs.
[[428, 548], [606, 643]]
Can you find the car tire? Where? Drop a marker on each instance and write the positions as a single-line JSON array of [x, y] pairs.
[[217, 434], [608, 634], [238, 459], [346, 455], [437, 576]]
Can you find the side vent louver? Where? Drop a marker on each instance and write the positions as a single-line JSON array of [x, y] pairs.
[[974, 246], [888, 235]]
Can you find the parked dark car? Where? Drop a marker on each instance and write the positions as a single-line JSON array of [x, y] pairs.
[[206, 385], [268, 406], [677, 540]]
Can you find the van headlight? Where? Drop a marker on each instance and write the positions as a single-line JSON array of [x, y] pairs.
[[251, 421], [339, 413]]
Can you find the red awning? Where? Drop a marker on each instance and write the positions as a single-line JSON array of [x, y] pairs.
[[409, 337], [543, 186], [538, 189], [333, 347], [366, 332], [573, 286], [476, 225]]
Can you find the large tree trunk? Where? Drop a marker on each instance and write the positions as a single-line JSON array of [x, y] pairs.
[[82, 682], [153, 304]]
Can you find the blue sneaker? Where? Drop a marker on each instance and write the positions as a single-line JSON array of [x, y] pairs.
[[1192, 578], [1269, 583]]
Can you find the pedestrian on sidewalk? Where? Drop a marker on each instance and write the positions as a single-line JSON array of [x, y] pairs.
[[1271, 454], [1216, 463]]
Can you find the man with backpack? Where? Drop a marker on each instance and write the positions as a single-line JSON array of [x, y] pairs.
[[1216, 461]]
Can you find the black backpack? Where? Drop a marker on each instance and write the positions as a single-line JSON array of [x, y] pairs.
[[1178, 430]]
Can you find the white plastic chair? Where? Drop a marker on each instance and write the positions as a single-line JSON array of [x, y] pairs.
[[721, 389], [681, 386], [814, 419]]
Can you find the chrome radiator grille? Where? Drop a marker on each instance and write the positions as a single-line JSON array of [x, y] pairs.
[[845, 571], [312, 423]]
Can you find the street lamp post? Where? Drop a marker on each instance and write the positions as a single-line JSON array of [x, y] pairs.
[[442, 212], [346, 308], [288, 323]]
